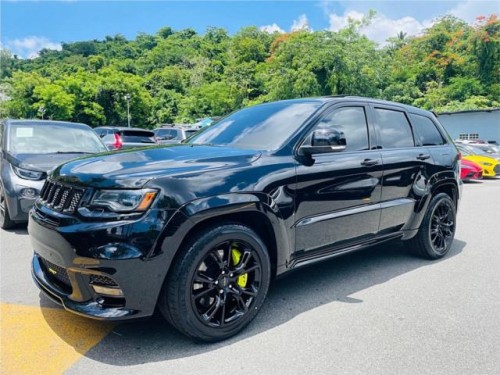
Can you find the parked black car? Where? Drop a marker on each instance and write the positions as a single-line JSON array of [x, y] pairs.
[[200, 229], [118, 138], [29, 148]]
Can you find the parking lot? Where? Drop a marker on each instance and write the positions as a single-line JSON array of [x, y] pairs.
[[381, 311]]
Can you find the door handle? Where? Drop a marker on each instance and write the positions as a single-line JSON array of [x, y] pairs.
[[423, 156], [369, 162]]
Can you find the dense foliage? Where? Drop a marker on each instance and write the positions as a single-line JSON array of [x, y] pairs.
[[178, 76]]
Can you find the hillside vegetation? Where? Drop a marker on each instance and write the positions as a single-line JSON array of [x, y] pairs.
[[179, 76]]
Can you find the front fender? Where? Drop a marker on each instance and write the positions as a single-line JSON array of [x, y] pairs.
[[194, 214]]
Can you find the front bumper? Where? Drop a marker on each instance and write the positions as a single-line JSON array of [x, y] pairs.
[[66, 276], [19, 205]]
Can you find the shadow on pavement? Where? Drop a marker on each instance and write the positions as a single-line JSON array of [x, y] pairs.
[[21, 229], [333, 281]]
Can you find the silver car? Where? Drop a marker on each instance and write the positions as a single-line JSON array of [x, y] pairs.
[[29, 149]]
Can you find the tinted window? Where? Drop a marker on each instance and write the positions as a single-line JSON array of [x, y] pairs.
[[137, 136], [352, 122], [394, 129], [262, 127], [426, 131], [169, 133]]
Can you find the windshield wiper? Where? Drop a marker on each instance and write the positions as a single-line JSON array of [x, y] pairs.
[[72, 152]]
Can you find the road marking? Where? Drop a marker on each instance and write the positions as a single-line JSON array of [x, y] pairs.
[[42, 340]]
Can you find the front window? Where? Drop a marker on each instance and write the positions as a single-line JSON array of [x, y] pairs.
[[52, 138], [262, 127], [351, 122]]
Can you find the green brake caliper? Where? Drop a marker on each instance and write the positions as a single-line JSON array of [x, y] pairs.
[[236, 256]]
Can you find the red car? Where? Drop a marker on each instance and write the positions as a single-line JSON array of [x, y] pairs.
[[470, 170]]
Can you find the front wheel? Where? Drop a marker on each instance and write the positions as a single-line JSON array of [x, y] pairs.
[[218, 285], [436, 233]]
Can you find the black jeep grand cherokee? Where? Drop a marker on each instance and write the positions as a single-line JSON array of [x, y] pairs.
[[200, 229]]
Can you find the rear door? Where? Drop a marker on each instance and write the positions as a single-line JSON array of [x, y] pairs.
[[406, 167]]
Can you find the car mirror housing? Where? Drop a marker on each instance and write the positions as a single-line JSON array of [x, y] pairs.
[[325, 141]]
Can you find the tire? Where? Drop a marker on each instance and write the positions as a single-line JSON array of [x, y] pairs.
[[436, 233], [218, 284], [5, 221]]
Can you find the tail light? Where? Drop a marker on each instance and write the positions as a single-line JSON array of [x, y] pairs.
[[118, 142]]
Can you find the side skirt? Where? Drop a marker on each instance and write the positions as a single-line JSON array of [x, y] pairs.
[[323, 254]]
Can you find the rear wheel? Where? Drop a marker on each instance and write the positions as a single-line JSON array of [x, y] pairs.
[[5, 221], [436, 233], [218, 285]]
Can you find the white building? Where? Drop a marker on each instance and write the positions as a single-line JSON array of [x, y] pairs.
[[481, 124]]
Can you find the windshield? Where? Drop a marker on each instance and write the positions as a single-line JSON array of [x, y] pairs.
[[51, 139], [476, 150], [486, 148], [262, 127]]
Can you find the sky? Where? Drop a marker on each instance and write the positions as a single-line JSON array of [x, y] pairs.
[[28, 26]]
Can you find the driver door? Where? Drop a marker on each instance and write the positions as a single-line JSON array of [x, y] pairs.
[[338, 193]]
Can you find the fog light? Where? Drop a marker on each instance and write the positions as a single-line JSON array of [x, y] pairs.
[[108, 291], [28, 193]]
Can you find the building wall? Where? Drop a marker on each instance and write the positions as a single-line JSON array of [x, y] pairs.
[[486, 124]]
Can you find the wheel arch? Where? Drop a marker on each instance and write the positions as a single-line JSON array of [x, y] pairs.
[[245, 209], [447, 186]]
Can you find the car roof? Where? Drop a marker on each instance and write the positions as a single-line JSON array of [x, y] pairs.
[[168, 128], [45, 123], [121, 128], [361, 99]]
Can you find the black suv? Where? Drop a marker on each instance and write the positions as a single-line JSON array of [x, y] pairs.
[[200, 229]]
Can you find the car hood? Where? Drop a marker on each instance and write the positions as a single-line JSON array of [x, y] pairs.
[[470, 164], [40, 162], [481, 159], [133, 168]]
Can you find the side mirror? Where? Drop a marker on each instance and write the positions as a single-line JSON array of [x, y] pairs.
[[325, 141]]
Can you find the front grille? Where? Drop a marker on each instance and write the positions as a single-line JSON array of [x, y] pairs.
[[61, 198], [102, 280], [497, 169], [57, 273]]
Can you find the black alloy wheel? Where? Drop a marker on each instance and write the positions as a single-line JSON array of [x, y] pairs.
[[436, 233], [218, 285], [442, 226], [225, 283]]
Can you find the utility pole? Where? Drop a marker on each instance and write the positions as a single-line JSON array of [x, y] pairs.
[[127, 98]]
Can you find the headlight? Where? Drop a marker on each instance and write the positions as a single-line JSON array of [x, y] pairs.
[[28, 174], [124, 200], [486, 163]]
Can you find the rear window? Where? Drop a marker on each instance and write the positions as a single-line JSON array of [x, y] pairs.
[[137, 136], [426, 131], [169, 133]]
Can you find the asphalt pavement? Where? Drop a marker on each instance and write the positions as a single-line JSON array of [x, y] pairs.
[[380, 311]]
